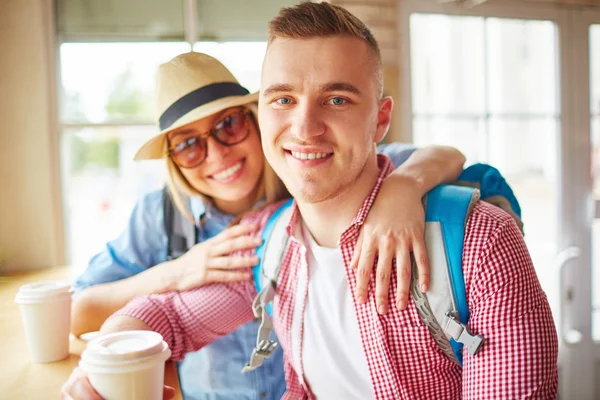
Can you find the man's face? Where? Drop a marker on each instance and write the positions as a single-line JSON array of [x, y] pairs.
[[320, 113]]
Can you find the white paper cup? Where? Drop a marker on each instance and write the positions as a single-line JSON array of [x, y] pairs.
[[127, 365], [46, 313]]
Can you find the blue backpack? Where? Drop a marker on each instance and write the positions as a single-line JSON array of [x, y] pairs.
[[443, 308]]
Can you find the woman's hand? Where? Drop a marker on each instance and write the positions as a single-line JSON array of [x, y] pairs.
[[78, 387], [393, 229], [209, 261]]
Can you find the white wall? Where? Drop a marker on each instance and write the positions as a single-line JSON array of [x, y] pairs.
[[30, 228]]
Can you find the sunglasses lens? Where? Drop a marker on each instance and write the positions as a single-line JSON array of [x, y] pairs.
[[232, 129], [190, 153]]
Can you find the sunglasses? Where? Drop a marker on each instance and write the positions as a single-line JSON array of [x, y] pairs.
[[230, 130]]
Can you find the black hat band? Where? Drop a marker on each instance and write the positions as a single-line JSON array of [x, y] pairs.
[[197, 98]]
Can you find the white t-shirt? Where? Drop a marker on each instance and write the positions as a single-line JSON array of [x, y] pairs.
[[333, 358]]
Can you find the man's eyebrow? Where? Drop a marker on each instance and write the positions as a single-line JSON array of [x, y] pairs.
[[277, 88], [340, 87]]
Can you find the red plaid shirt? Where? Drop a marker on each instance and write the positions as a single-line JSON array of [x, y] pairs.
[[507, 305]]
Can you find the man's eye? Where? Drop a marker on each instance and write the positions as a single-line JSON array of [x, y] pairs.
[[284, 101], [337, 101]]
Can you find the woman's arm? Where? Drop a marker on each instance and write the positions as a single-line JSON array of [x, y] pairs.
[[401, 196], [204, 263], [431, 166]]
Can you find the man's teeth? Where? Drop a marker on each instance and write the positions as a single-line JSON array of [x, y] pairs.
[[228, 172], [308, 156]]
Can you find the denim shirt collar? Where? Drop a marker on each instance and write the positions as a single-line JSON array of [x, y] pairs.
[[198, 207]]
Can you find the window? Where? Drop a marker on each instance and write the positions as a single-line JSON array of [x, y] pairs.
[[107, 113], [489, 87]]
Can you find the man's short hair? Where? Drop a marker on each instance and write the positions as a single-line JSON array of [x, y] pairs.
[[311, 20]]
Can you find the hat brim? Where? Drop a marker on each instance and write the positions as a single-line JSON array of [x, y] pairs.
[[155, 148]]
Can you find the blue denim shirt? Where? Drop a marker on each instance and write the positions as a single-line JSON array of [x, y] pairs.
[[214, 372]]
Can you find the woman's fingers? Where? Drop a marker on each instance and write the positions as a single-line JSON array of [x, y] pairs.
[[235, 231], [356, 253], [422, 261], [364, 269], [403, 272], [234, 244], [230, 262], [218, 275], [384, 273]]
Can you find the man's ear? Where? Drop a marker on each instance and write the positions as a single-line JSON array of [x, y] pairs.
[[384, 117]]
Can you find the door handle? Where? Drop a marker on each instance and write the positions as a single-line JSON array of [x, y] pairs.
[[568, 334]]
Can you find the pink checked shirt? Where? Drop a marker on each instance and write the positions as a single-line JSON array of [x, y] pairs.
[[507, 304]]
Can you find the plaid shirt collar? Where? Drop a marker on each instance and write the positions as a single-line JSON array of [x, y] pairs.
[[385, 168]]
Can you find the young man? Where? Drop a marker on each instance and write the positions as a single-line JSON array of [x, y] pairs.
[[321, 112]]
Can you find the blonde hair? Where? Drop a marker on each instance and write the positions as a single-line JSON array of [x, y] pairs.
[[311, 20], [271, 187]]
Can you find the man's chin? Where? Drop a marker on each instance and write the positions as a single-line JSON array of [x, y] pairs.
[[313, 195]]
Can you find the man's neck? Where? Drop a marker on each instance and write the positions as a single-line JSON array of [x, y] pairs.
[[327, 220]]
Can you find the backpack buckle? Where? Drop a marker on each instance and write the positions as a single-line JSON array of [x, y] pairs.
[[459, 332], [265, 348]]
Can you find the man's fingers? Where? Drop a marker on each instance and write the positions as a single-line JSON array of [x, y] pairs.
[[216, 275], [235, 244], [82, 389], [422, 261], [384, 272], [230, 262], [168, 392], [403, 271], [363, 272]]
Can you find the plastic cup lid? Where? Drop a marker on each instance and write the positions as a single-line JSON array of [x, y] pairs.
[[124, 347], [89, 336], [42, 290]]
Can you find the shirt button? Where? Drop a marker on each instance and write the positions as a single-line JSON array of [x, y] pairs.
[[262, 395]]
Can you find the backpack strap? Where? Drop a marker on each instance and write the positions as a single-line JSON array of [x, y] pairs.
[[270, 255], [444, 307], [181, 233], [493, 189]]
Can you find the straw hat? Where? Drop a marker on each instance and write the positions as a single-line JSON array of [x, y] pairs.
[[190, 87]]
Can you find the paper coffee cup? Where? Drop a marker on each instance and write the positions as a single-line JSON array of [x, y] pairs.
[[46, 313], [127, 365]]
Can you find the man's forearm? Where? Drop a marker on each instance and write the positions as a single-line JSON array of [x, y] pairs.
[[96, 303], [124, 323], [431, 166]]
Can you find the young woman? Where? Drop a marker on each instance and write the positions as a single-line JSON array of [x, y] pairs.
[[211, 144]]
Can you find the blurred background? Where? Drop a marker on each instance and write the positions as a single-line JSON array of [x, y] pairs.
[[512, 83]]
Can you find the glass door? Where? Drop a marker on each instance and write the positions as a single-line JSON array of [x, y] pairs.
[[489, 86], [509, 85]]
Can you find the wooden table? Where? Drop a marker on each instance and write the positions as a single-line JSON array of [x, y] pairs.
[[20, 379]]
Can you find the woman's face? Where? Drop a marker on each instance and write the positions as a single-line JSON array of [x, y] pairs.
[[230, 175]]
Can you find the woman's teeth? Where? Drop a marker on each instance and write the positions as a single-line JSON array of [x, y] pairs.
[[308, 156], [228, 172]]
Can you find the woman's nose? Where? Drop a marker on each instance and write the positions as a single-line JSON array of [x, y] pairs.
[[215, 150]]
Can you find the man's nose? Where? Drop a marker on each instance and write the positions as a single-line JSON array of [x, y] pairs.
[[307, 122]]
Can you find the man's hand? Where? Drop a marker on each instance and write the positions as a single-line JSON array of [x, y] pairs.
[[78, 387], [394, 229]]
